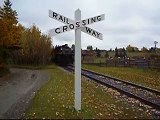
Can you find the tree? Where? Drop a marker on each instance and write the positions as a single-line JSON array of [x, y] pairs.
[[36, 47], [124, 53], [130, 48], [116, 52], [73, 47], [98, 53], [144, 49], [110, 50], [89, 47], [9, 30]]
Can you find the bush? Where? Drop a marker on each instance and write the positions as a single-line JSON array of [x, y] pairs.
[[3, 69]]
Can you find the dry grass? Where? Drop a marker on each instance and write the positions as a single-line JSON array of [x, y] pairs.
[[56, 100], [145, 77]]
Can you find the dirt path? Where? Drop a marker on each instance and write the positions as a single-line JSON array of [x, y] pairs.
[[17, 89]]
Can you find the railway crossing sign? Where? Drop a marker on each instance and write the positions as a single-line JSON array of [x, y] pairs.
[[78, 25], [71, 24]]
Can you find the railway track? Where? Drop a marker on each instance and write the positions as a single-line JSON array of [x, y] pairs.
[[146, 95]]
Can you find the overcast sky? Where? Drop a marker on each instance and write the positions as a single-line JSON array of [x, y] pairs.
[[134, 22]]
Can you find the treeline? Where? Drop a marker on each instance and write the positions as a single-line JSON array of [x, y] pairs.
[[9, 32], [20, 45], [35, 47]]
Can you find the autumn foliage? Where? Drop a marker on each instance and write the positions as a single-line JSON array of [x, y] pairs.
[[21, 45], [9, 31], [35, 47]]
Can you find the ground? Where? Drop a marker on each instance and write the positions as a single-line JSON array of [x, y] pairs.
[[145, 77], [17, 89], [55, 99]]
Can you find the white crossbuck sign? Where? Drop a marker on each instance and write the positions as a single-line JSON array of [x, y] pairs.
[[78, 25], [71, 24]]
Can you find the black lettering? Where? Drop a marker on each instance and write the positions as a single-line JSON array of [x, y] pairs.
[[67, 21], [93, 19], [55, 15], [71, 26], [99, 18], [83, 22], [61, 18], [77, 24], [64, 19], [65, 28], [98, 34], [94, 33], [88, 21], [88, 30], [57, 31]]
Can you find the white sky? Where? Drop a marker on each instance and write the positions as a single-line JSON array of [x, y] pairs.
[[134, 22]]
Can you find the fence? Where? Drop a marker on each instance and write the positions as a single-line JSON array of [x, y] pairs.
[[142, 63]]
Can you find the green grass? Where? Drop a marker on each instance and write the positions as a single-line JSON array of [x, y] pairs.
[[145, 77], [56, 100], [112, 54], [131, 54], [100, 60], [138, 54]]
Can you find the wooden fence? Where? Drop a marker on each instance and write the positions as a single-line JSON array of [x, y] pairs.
[[142, 63]]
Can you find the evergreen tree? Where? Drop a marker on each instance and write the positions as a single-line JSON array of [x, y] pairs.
[[98, 53], [116, 52], [9, 30], [130, 48], [124, 53], [89, 47], [8, 13], [144, 49]]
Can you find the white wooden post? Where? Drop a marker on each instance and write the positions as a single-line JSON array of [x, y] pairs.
[[79, 26], [77, 101]]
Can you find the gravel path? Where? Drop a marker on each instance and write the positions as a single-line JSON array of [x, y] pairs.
[[17, 89]]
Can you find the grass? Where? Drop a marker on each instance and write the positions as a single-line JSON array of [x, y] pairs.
[[139, 54], [99, 60], [145, 77], [56, 100], [131, 54], [112, 54]]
